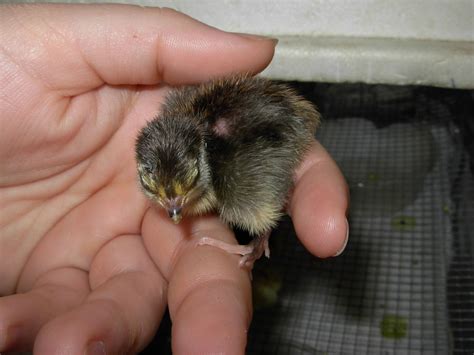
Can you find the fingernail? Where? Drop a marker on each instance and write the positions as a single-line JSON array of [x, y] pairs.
[[257, 37], [345, 241], [96, 348]]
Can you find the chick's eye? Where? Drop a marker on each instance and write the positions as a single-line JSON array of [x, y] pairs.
[[146, 178], [148, 182]]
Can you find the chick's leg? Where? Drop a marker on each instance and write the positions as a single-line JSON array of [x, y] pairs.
[[249, 252]]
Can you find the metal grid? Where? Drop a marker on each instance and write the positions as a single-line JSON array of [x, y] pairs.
[[410, 259]]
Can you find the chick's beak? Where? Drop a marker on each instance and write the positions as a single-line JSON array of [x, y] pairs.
[[174, 207], [175, 214]]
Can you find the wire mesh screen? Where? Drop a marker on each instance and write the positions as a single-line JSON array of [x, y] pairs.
[[405, 284]]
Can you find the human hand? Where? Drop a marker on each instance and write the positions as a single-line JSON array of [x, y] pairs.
[[87, 264]]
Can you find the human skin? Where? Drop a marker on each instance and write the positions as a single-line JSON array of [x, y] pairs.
[[86, 263]]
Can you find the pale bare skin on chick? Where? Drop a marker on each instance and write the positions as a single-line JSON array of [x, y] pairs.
[[228, 146]]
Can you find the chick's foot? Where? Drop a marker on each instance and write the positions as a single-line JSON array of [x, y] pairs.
[[250, 252]]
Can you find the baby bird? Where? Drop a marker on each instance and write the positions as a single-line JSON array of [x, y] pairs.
[[229, 146]]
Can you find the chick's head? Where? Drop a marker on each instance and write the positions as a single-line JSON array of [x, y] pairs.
[[172, 165]]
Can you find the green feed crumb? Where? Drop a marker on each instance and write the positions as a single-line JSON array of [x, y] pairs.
[[446, 209], [393, 326], [373, 177], [266, 287], [404, 223]]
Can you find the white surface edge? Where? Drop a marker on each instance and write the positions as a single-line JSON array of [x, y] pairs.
[[374, 60]]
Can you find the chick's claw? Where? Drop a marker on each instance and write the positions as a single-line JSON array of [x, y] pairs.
[[250, 252]]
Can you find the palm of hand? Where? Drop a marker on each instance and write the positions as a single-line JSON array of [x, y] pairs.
[[69, 161]]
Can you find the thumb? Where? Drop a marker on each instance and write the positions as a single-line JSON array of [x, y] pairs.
[[122, 44]]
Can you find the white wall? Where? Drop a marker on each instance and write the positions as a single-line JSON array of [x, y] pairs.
[[416, 19]]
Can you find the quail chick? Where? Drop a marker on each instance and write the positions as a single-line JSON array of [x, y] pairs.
[[229, 146]]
